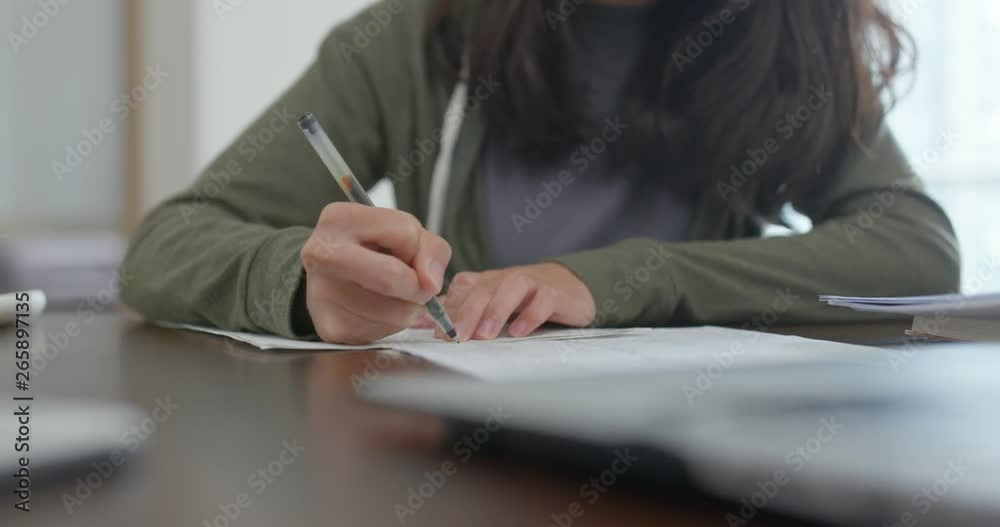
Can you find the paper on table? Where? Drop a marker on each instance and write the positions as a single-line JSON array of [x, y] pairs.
[[973, 306], [890, 300], [581, 352], [657, 349], [402, 341]]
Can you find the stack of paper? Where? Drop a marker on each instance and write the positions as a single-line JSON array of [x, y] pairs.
[[582, 352], [948, 317], [970, 306]]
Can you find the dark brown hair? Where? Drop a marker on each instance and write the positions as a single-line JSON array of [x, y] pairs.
[[706, 96]]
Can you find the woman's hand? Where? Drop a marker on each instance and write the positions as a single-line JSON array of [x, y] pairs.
[[356, 292], [480, 304]]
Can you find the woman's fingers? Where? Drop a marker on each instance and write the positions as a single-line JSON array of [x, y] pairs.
[[536, 312], [378, 308], [379, 273], [336, 324], [459, 288], [424, 321], [402, 235], [513, 291], [481, 305], [396, 231], [431, 261], [369, 271], [389, 233], [470, 311]]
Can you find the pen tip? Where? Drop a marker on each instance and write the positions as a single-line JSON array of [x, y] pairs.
[[307, 122], [453, 334]]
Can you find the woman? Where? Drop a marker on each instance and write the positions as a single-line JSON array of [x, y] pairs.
[[603, 162]]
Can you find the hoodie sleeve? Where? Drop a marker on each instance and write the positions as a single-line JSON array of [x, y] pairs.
[[876, 232], [225, 252]]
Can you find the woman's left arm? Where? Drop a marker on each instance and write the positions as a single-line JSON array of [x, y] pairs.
[[876, 232]]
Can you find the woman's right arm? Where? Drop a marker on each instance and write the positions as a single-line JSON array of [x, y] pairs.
[[226, 252]]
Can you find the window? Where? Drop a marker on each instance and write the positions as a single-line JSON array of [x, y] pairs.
[[949, 124], [58, 81]]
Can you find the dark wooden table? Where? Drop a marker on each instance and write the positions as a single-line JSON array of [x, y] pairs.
[[226, 445]]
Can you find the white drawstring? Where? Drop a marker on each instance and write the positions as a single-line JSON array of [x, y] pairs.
[[443, 165]]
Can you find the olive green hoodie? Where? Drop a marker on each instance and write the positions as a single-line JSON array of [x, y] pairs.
[[226, 251]]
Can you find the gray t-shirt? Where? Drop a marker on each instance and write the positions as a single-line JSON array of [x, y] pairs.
[[585, 199]]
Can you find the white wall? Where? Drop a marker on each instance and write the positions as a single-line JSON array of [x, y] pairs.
[[240, 59], [244, 58], [166, 119]]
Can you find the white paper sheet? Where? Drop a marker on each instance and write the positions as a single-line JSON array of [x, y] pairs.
[[401, 341], [581, 352], [656, 349]]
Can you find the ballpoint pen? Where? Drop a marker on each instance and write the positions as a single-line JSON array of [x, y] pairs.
[[356, 193]]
